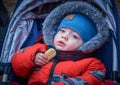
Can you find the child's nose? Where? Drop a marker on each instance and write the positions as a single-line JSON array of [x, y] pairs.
[[65, 37]]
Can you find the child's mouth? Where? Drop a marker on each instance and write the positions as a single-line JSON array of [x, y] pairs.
[[61, 43]]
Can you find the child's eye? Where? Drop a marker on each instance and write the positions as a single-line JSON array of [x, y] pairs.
[[75, 36], [61, 30]]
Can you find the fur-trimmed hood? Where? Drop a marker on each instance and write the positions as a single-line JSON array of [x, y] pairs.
[[53, 20]]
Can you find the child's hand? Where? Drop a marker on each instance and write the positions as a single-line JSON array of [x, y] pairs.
[[40, 59]]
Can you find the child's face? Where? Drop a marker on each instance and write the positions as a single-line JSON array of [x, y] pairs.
[[67, 40]]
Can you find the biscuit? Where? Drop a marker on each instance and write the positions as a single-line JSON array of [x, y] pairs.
[[50, 53]]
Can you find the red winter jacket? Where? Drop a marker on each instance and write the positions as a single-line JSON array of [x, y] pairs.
[[88, 70]]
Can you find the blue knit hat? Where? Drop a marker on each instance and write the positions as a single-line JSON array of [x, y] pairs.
[[81, 24]]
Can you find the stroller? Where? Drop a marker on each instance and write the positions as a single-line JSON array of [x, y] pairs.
[[25, 29], [4, 19]]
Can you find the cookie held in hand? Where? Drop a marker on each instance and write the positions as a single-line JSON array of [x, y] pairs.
[[50, 53]]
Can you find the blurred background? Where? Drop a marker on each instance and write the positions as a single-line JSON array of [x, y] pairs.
[[11, 3]]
